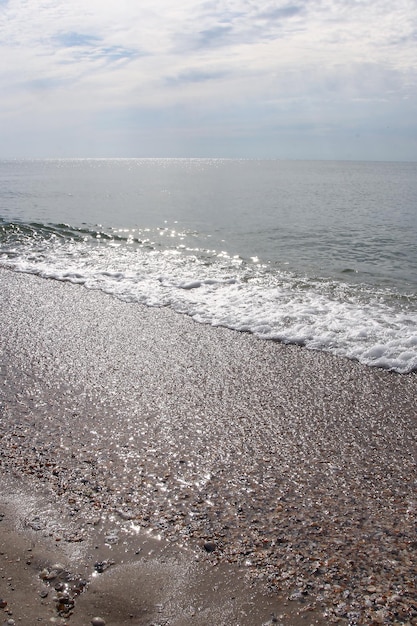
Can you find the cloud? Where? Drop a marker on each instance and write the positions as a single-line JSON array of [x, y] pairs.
[[93, 46], [201, 65], [195, 76], [70, 40], [215, 36], [280, 13]]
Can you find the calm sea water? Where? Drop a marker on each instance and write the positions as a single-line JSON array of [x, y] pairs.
[[322, 254]]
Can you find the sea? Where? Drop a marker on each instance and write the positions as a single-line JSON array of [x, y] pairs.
[[317, 253]]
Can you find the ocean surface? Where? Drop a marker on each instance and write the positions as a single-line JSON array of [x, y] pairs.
[[321, 254]]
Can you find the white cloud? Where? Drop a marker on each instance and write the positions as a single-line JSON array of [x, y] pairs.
[[70, 64]]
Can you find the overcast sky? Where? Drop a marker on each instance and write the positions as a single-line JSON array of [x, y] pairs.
[[329, 79]]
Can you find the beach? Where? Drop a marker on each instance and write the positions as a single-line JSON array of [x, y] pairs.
[[185, 474]]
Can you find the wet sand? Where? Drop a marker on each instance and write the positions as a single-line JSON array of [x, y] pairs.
[[222, 474]]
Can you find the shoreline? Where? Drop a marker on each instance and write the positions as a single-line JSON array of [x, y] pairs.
[[298, 468]]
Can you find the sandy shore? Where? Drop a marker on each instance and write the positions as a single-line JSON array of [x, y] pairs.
[[181, 474], [138, 580]]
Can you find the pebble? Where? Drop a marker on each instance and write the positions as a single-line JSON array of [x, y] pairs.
[[36, 524], [98, 621], [43, 574], [209, 546], [101, 566]]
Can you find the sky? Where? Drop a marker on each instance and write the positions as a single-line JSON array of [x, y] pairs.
[[296, 79]]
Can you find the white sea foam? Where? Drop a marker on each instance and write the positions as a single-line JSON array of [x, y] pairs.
[[374, 327]]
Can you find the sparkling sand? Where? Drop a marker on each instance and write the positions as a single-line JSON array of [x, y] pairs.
[[141, 444]]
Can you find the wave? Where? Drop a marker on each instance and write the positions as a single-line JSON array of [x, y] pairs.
[[163, 267]]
